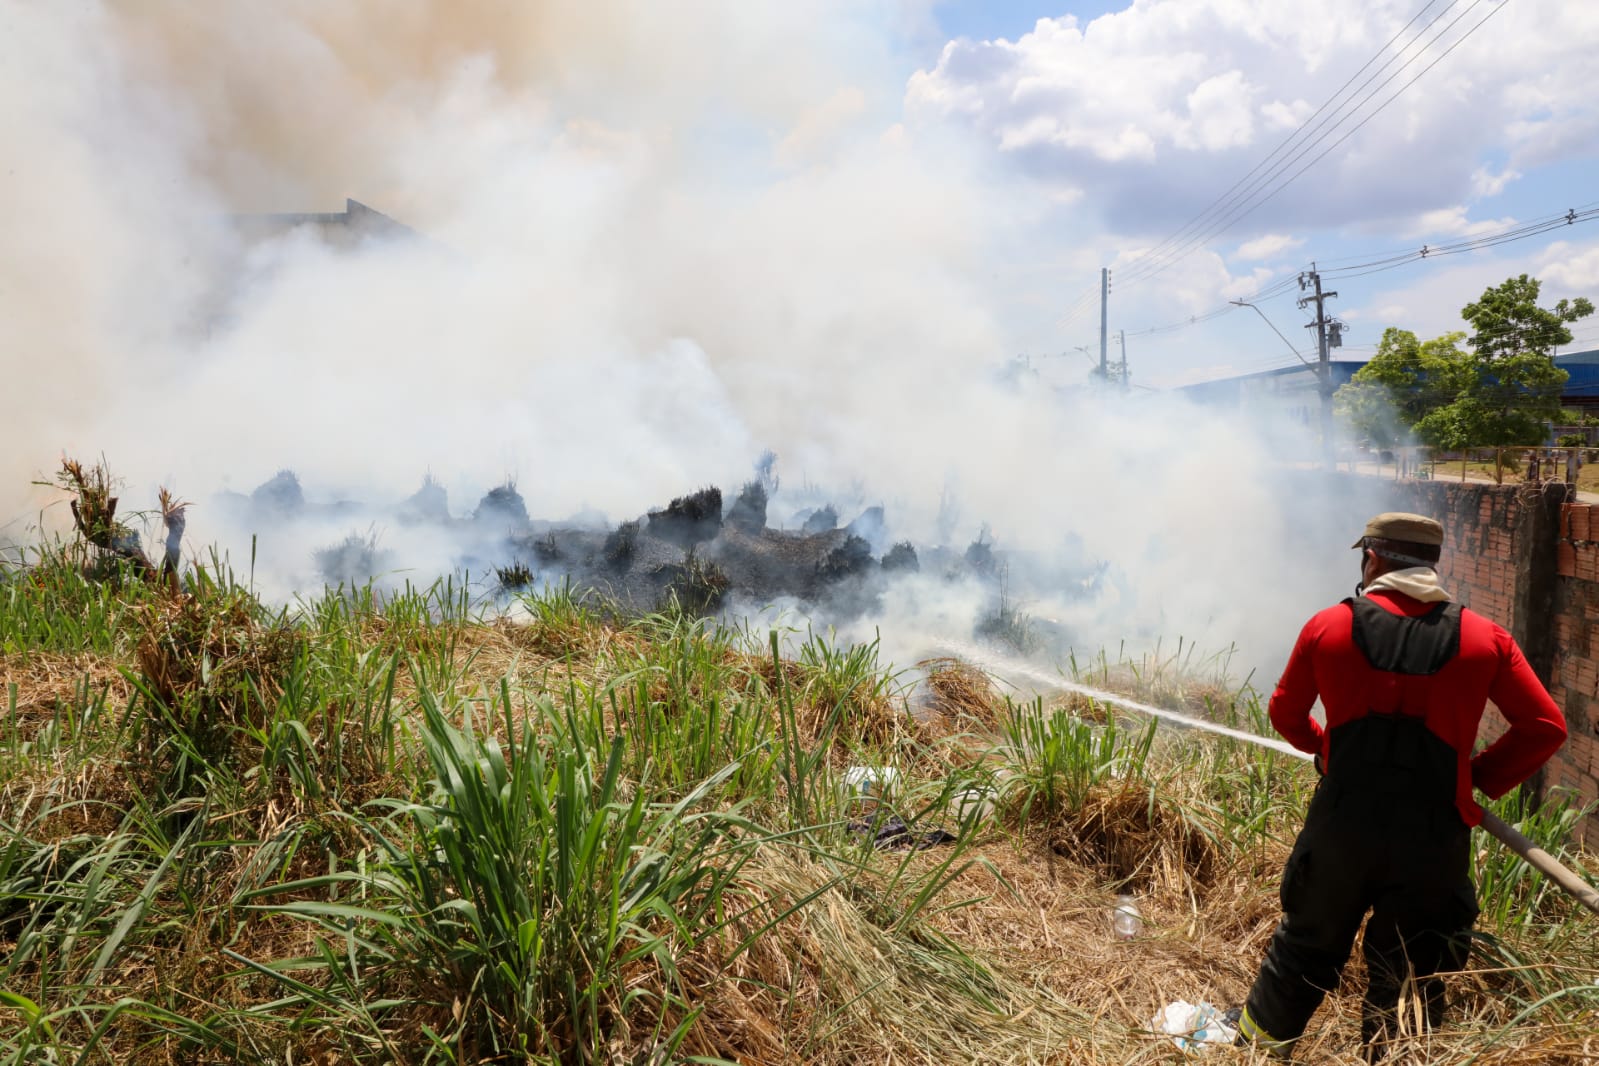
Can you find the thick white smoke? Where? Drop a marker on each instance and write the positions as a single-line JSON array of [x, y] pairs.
[[656, 240]]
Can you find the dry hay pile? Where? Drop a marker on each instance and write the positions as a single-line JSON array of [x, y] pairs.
[[863, 716], [549, 636], [1083, 706], [959, 693], [211, 647], [48, 683], [1050, 919], [1134, 837], [834, 983]]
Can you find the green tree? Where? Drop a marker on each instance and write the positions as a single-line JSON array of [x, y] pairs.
[[1509, 322], [1499, 393], [1406, 380], [1516, 386]]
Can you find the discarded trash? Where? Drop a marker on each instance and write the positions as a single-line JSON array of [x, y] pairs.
[[892, 834], [975, 803], [870, 782], [1125, 919], [1194, 1026]]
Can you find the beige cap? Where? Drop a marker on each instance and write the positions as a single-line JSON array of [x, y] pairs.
[[1397, 525]]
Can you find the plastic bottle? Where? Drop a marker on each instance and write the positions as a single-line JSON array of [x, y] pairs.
[[1125, 919]]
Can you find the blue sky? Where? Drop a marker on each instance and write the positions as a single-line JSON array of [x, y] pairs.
[[1005, 18], [1118, 124]]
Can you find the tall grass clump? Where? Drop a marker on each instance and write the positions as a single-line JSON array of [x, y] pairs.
[[849, 686], [1057, 757], [690, 707], [49, 604], [535, 889], [1511, 895]]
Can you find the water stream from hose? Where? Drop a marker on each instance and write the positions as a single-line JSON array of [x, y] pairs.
[[1006, 669]]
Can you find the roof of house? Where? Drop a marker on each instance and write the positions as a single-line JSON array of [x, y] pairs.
[[357, 223]]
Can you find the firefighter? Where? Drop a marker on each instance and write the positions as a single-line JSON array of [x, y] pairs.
[[1403, 675]]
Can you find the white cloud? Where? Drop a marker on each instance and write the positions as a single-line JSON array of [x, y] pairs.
[[1152, 107], [1285, 116], [1272, 244], [1204, 284], [1219, 114], [1571, 266], [1485, 183], [1455, 222], [1064, 86], [1245, 285]]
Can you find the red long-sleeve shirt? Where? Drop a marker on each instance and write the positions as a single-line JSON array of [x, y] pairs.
[[1325, 662]]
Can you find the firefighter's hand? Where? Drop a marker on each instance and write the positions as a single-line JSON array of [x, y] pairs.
[[1320, 764]]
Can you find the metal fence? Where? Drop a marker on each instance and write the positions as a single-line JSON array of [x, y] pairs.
[[1518, 465]]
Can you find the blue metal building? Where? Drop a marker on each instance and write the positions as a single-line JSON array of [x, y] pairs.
[[1294, 387], [1291, 389], [1582, 387]]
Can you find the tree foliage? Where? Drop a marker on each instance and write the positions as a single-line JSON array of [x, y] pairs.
[[1499, 392], [1405, 381], [1508, 321]]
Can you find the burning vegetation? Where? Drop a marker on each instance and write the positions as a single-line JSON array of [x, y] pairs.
[[697, 553]]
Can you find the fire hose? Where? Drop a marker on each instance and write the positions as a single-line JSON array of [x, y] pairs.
[[1536, 857]]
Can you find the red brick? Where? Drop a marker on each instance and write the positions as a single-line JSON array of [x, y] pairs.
[[1579, 753], [1565, 559], [1565, 521], [1586, 568], [1584, 754]]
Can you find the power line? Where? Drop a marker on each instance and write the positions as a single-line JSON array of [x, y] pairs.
[[1314, 132], [1534, 229], [1525, 231], [1261, 195], [1227, 198], [1384, 105], [1361, 258]]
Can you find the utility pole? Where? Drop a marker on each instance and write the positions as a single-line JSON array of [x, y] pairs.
[[1324, 364], [1104, 300], [1121, 335]]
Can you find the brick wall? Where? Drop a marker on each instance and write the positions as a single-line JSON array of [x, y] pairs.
[[1575, 677], [1530, 562], [1478, 564]]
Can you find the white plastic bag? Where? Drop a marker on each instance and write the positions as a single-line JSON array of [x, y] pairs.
[[870, 783], [1194, 1027]]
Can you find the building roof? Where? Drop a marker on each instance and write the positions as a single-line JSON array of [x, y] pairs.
[[1278, 379], [356, 224]]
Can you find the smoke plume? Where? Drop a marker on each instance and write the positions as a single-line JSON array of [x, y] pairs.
[[650, 242]]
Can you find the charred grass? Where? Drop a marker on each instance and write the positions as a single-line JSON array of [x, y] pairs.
[[375, 828]]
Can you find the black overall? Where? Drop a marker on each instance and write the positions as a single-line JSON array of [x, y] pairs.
[[1382, 834]]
